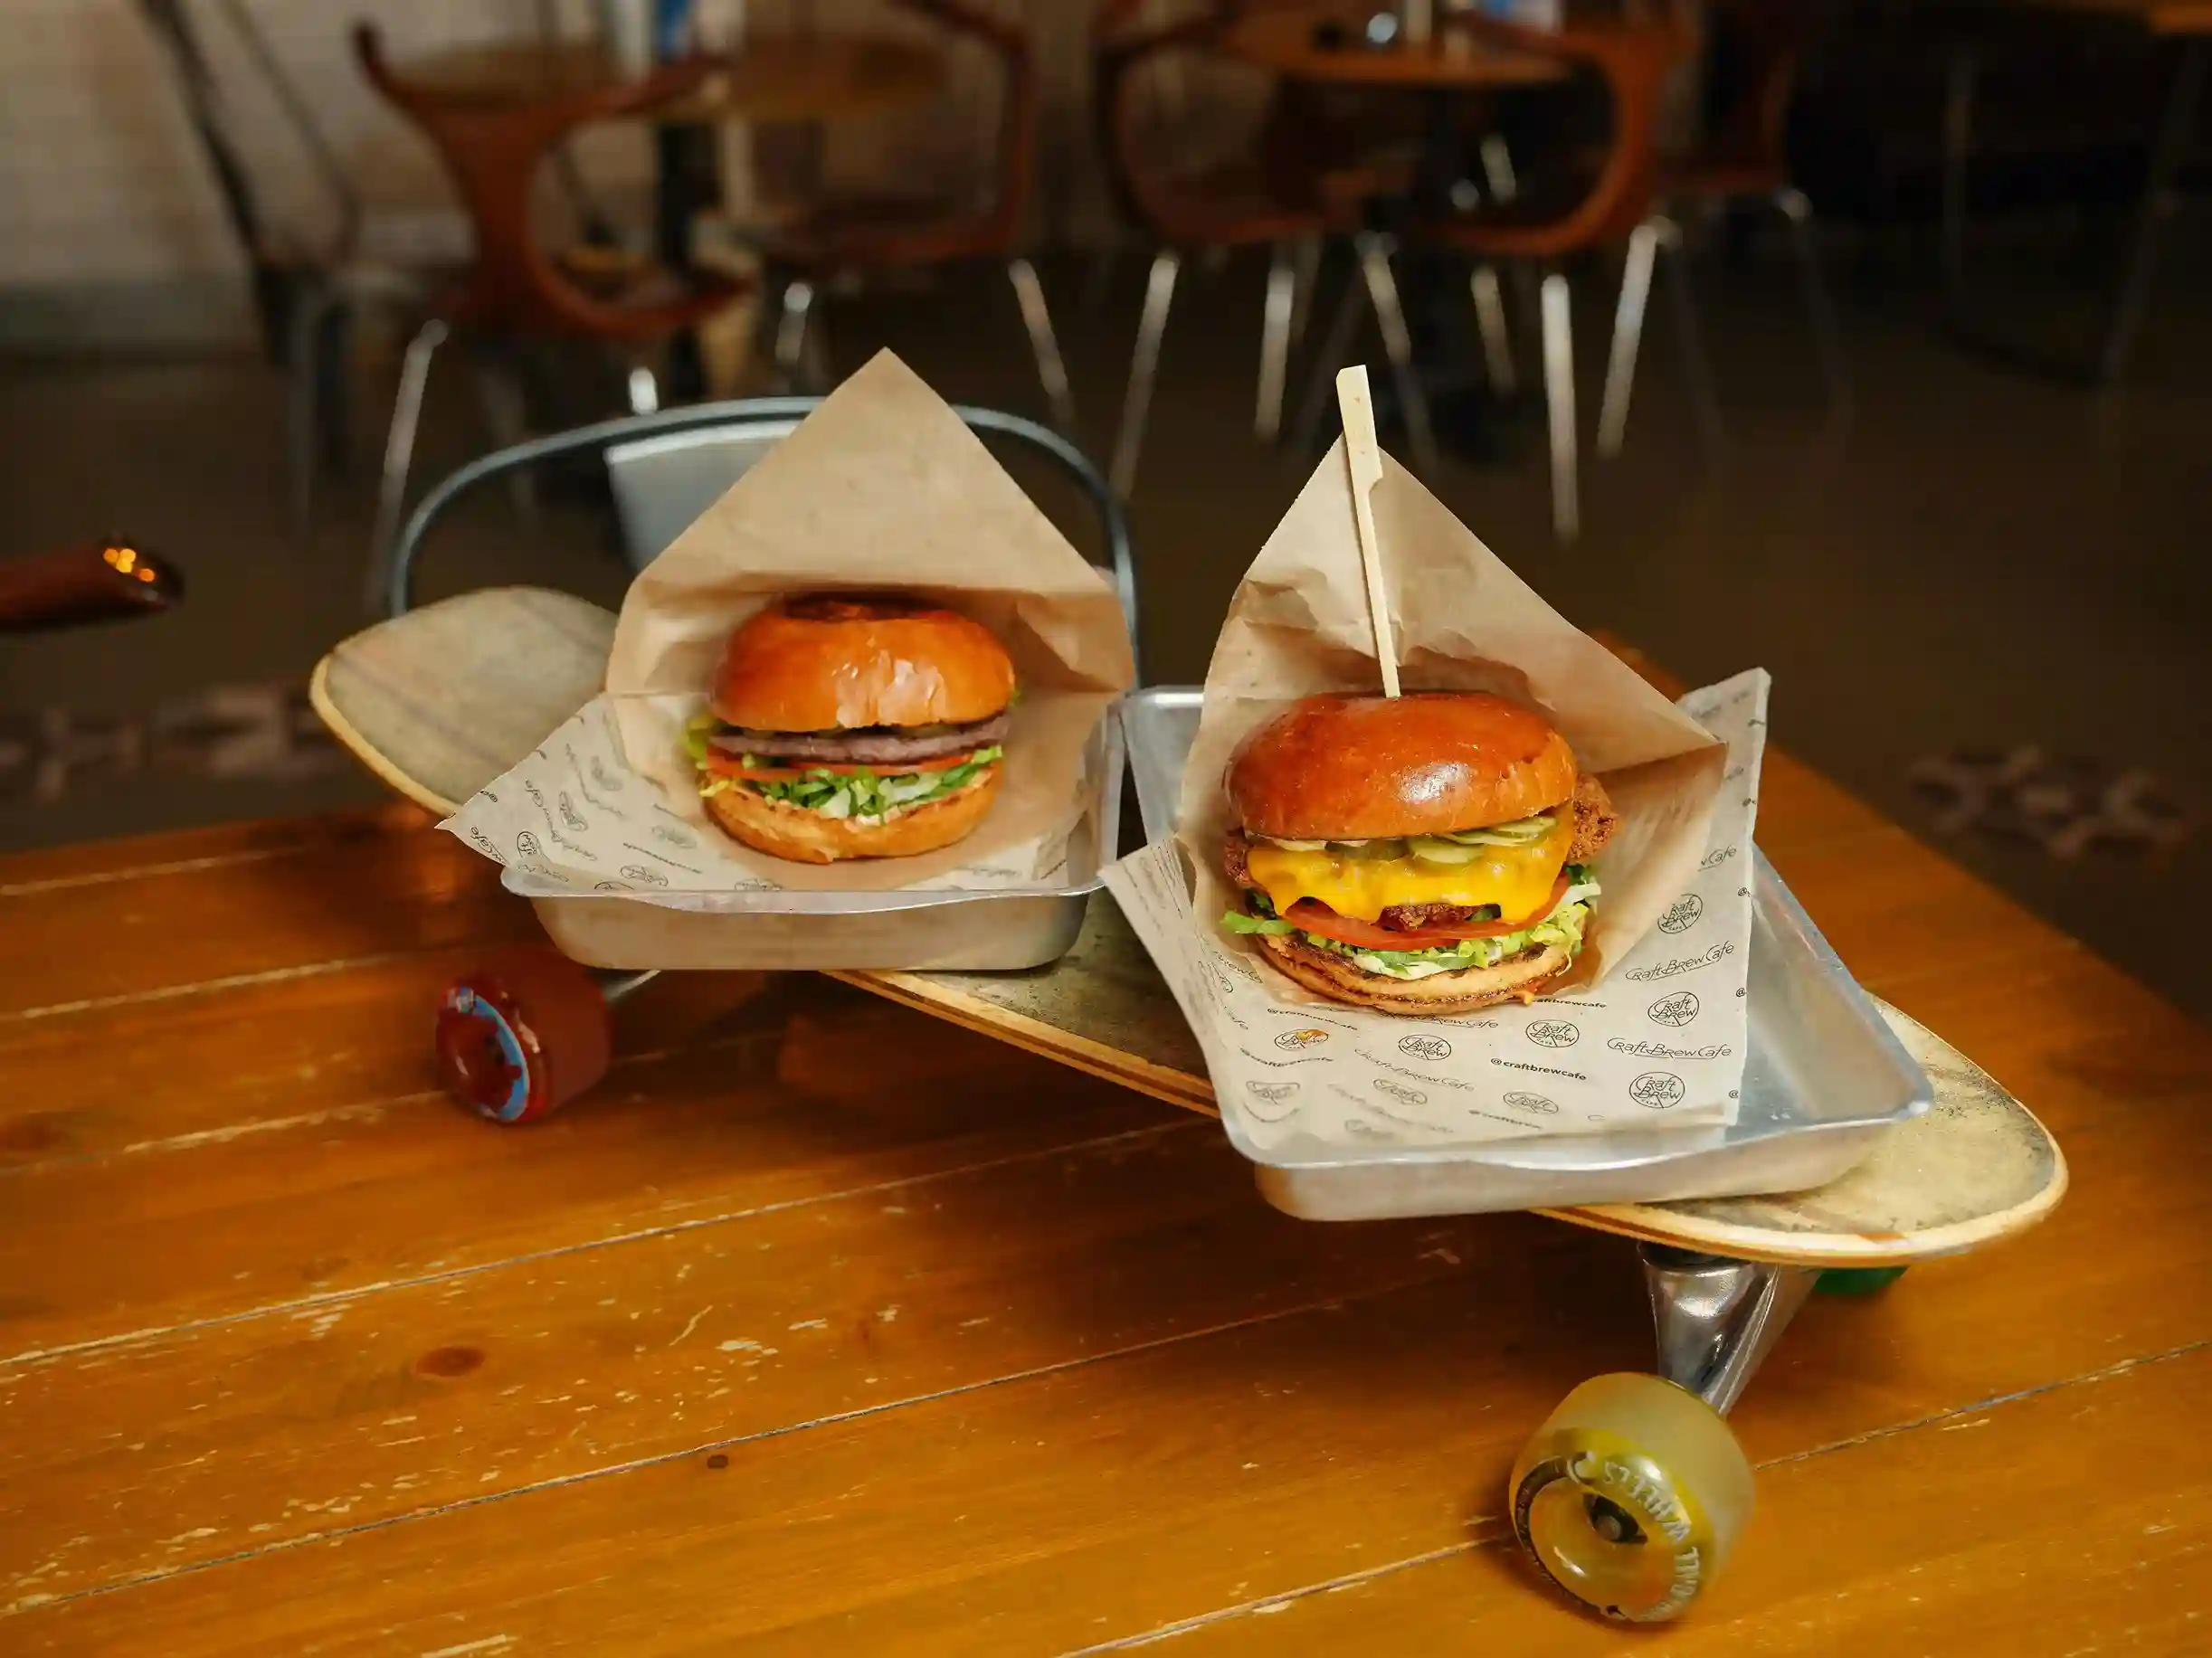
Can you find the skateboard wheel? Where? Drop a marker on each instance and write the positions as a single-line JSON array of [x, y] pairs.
[[522, 1036], [1631, 1496], [1856, 1279]]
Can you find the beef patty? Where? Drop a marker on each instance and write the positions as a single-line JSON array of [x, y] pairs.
[[869, 745]]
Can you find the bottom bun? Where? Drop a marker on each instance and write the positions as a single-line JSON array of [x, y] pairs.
[[783, 830], [1331, 975]]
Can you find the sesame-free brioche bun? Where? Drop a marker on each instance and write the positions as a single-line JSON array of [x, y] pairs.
[[783, 830], [1520, 979], [1373, 768], [837, 661]]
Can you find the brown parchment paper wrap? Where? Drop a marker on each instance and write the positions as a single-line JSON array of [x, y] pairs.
[[881, 488], [1298, 625]]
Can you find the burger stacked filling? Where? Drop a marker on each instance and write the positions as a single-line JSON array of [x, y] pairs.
[[1416, 906], [867, 772]]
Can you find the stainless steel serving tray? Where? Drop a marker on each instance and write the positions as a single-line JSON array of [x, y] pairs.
[[952, 930], [1826, 1074]]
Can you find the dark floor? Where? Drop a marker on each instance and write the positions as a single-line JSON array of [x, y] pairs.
[[1980, 561]]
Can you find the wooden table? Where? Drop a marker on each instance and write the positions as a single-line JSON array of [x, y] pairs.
[[775, 77], [1286, 43], [2168, 17], [823, 1327]]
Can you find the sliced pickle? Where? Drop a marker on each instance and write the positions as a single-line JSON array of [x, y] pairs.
[[1435, 849], [1368, 848], [1522, 832]]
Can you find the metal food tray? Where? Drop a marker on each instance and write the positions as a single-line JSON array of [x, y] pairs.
[[919, 930], [1825, 1073]]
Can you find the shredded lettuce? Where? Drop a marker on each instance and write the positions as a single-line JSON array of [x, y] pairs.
[[861, 792], [1562, 927]]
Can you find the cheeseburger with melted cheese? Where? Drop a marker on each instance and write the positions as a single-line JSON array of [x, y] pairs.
[[1422, 855], [853, 725]]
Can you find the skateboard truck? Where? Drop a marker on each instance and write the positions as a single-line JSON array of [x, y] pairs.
[[1632, 1495], [523, 1034]]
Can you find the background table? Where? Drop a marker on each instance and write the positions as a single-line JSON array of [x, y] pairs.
[[823, 1327], [773, 78], [1286, 43]]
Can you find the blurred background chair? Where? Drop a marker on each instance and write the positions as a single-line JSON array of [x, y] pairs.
[[1287, 191], [1741, 160], [852, 239], [514, 288], [306, 290], [1566, 204]]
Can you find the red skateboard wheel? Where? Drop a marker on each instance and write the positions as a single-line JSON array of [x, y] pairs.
[[521, 1037]]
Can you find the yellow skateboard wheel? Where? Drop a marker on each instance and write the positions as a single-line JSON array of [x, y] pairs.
[[1631, 1496]]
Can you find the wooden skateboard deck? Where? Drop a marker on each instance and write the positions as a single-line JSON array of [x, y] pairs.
[[441, 701]]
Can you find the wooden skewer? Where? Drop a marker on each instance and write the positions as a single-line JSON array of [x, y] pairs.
[[1363, 460]]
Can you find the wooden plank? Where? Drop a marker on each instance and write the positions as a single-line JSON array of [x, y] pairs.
[[90, 862], [1203, 1441], [1798, 807], [779, 1111], [2018, 1541], [261, 1431], [2088, 1303], [1897, 912], [322, 1047], [1051, 1512], [304, 911]]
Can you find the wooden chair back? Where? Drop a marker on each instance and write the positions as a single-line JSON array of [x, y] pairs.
[[491, 150], [997, 233], [1633, 58]]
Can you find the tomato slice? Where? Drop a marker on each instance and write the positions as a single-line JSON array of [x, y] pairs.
[[724, 765], [1312, 915]]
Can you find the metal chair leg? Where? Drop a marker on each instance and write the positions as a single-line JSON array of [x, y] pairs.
[[1627, 334], [499, 394], [1827, 341], [1553, 302], [2177, 129], [1497, 169], [1397, 347], [1143, 368], [1044, 345], [1496, 337], [1961, 83], [1690, 333], [1275, 342], [398, 452], [1306, 272], [794, 310], [303, 434], [334, 382], [1320, 388]]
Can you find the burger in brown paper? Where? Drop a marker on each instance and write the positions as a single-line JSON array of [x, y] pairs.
[[846, 725], [1420, 855]]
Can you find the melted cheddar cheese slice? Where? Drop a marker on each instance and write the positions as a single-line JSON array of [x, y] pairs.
[[1516, 879]]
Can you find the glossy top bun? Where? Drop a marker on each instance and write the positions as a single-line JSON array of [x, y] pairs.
[[836, 661], [1367, 768]]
